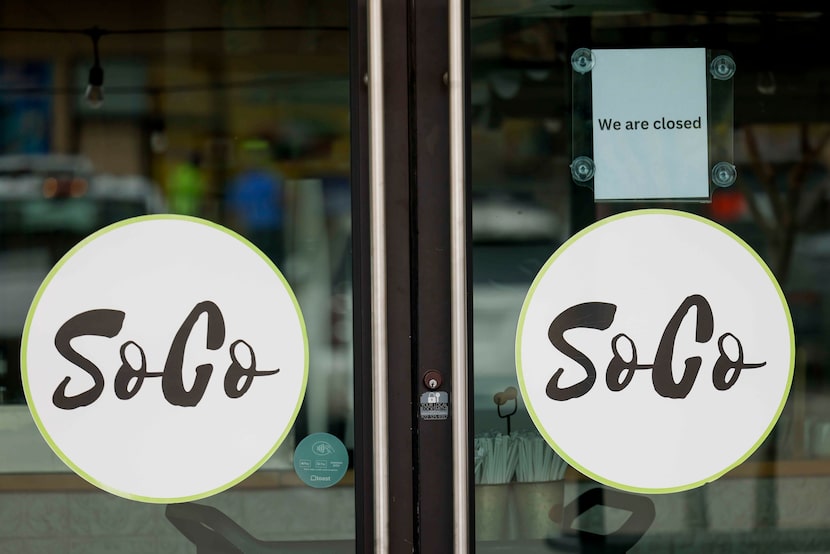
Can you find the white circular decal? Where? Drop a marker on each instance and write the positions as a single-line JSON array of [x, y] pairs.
[[655, 351], [164, 358]]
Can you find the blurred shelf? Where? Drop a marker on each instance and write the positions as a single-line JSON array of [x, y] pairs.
[[757, 470], [69, 482], [276, 479]]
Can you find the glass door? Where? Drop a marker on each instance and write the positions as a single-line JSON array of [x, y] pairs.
[[232, 113], [527, 202]]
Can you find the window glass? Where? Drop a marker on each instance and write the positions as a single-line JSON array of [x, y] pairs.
[[235, 112], [525, 205]]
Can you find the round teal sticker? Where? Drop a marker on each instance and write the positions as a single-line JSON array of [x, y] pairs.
[[321, 460]]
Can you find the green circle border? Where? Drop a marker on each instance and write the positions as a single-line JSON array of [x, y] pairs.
[[519, 333], [25, 373]]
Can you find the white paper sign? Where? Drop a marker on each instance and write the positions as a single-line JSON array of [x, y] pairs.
[[650, 124], [164, 359], [655, 351]]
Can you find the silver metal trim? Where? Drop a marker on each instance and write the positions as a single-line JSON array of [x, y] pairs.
[[377, 224], [458, 280]]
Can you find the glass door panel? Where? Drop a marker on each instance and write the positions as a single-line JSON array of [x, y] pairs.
[[237, 113], [525, 205]]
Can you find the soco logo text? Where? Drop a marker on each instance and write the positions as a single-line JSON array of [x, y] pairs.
[[625, 362], [131, 375]]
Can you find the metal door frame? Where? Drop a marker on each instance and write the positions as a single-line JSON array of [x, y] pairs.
[[411, 238]]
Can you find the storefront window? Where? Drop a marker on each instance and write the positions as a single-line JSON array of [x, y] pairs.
[[237, 113], [525, 205]]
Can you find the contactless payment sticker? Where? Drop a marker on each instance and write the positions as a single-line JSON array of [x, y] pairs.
[[321, 460]]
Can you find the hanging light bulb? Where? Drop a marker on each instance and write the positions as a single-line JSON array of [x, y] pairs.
[[765, 83], [95, 88], [506, 83], [158, 139], [158, 129]]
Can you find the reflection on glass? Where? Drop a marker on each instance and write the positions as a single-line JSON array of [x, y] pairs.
[[773, 501], [233, 112]]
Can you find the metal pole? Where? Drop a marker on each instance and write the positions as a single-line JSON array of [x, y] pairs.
[[458, 277], [380, 446]]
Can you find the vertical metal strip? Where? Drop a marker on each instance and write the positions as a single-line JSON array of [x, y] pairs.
[[380, 445], [458, 283]]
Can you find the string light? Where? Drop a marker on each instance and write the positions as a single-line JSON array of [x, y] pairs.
[[94, 92]]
